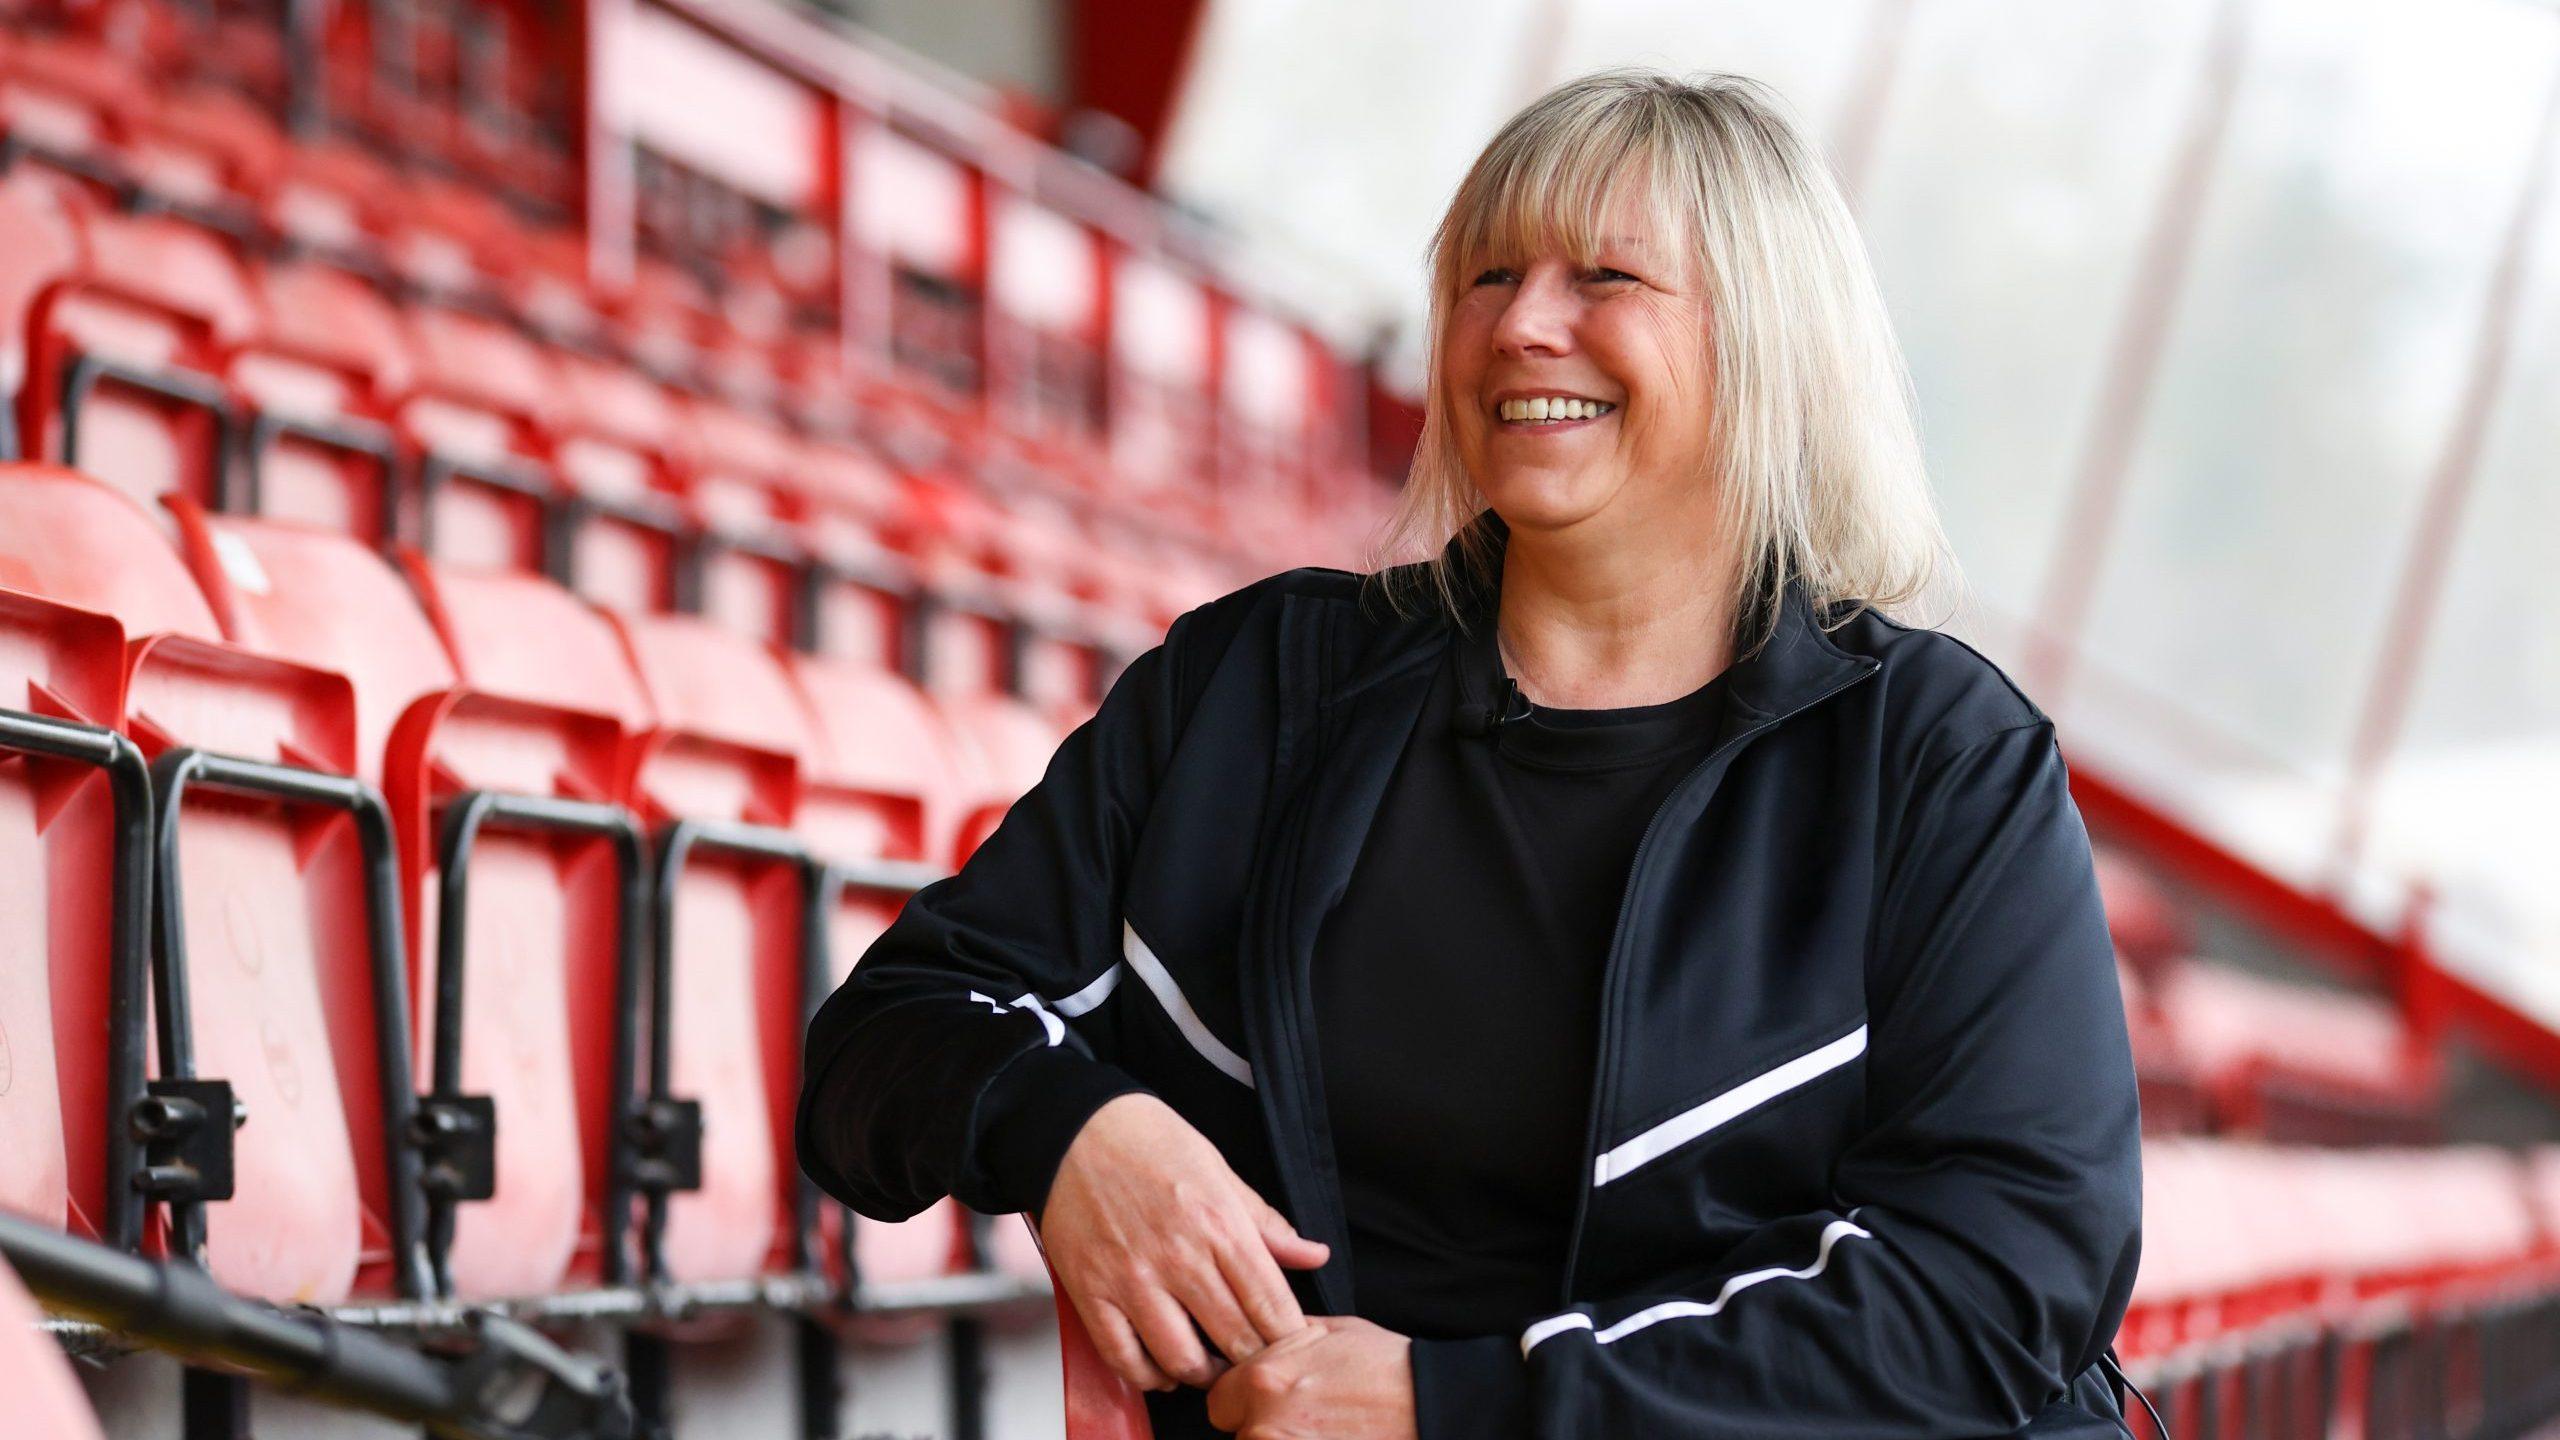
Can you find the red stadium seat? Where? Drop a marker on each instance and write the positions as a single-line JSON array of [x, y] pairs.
[[208, 152], [326, 600], [856, 516], [126, 330], [283, 1001], [334, 200], [615, 439], [882, 784], [478, 409], [318, 383], [547, 703], [55, 902], [741, 484], [62, 99], [726, 754]]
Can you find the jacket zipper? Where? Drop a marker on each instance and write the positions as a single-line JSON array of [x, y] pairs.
[[1611, 967]]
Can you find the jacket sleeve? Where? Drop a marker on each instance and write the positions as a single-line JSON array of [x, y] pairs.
[[981, 978], [1980, 1246]]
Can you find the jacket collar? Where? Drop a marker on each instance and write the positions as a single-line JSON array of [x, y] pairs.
[[1799, 665]]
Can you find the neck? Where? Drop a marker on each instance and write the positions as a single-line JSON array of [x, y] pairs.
[[1594, 623]]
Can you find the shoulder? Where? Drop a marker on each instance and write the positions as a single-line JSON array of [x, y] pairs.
[[1937, 695]]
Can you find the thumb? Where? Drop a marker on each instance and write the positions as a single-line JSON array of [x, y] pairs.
[[1289, 1247]]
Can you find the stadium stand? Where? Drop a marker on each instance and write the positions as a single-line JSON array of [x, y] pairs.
[[569, 643]]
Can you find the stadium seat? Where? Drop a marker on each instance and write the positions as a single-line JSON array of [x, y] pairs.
[[208, 153], [855, 516], [537, 935], [317, 385], [477, 411], [752, 571], [333, 201], [547, 705], [56, 906], [723, 763], [126, 328], [615, 441], [882, 784], [62, 99], [282, 1000]]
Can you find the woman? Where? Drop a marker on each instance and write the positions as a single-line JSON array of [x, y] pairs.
[[1608, 980]]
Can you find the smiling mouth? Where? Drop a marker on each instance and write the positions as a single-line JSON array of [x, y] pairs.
[[1552, 426], [1550, 413]]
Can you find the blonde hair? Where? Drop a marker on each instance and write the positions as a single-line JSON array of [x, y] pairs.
[[1814, 443]]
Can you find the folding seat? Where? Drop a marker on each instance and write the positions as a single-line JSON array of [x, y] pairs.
[[615, 441], [62, 99], [45, 1398], [68, 887], [718, 782], [549, 874], [662, 319], [125, 351], [333, 200], [299, 1008], [969, 630], [207, 153], [752, 574], [549, 706], [478, 412], [858, 518], [883, 784], [317, 385]]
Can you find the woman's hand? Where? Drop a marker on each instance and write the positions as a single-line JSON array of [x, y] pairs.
[[1340, 1378], [1149, 1229]]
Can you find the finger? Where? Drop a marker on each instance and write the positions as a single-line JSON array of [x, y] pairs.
[[1261, 1290], [1288, 1246], [1165, 1327], [1116, 1341], [1209, 1293]]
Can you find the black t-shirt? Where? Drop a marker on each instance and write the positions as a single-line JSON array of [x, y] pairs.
[[1457, 991]]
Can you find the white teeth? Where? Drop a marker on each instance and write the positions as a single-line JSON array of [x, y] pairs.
[[1551, 408]]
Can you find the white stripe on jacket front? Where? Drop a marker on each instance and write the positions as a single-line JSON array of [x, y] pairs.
[[1697, 1120], [1169, 995], [1555, 1325]]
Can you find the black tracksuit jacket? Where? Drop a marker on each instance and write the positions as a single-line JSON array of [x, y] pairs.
[[1863, 1156]]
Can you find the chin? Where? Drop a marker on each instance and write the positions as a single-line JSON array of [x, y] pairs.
[[1543, 502]]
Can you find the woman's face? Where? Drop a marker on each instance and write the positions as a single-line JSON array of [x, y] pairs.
[[1625, 338]]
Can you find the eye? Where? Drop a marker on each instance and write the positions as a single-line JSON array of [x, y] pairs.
[[1604, 273], [1497, 275]]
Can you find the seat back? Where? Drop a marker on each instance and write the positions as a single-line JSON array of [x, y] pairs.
[[883, 783], [280, 995], [547, 707], [59, 663], [729, 746], [127, 353]]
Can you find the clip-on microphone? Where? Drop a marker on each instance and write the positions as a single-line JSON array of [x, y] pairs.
[[1478, 721]]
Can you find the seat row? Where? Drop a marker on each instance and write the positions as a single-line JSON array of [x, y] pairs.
[[155, 359], [2240, 1236], [495, 914], [75, 110]]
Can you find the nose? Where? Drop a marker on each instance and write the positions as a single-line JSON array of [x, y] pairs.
[[1539, 318]]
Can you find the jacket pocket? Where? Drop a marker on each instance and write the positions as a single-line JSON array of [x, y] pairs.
[[1728, 1105]]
